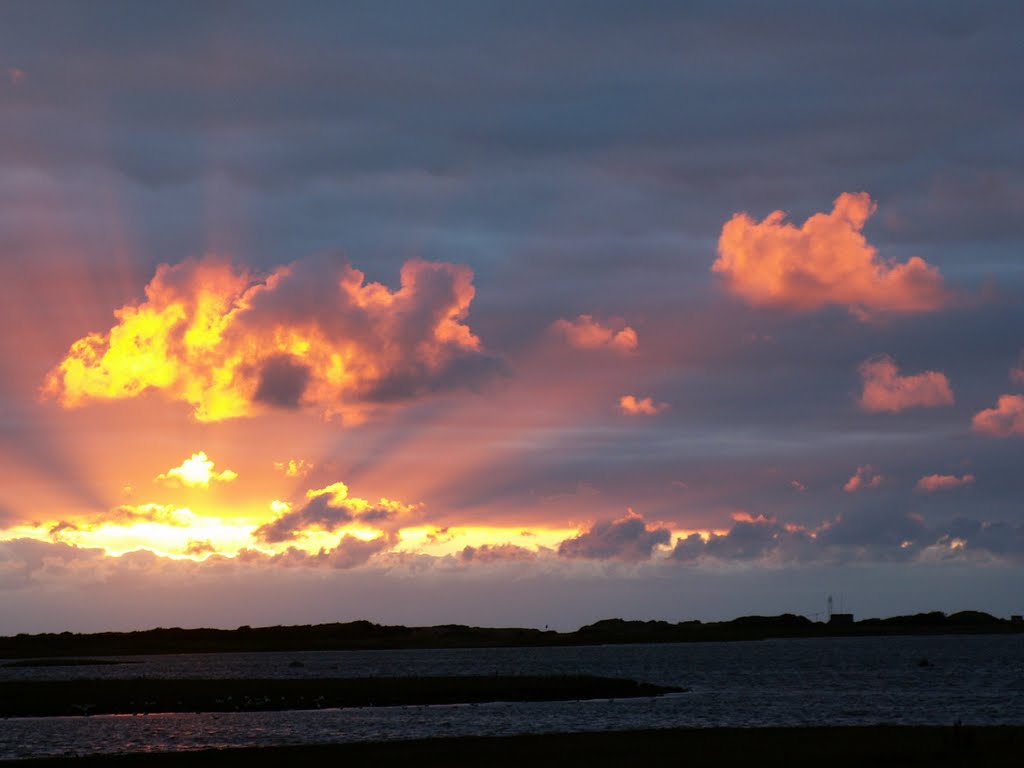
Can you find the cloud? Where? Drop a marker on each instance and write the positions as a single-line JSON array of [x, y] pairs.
[[15, 76], [645, 406], [749, 538], [627, 539], [294, 467], [128, 514], [312, 334], [328, 509], [1006, 419], [864, 477], [196, 472], [932, 483], [772, 263], [349, 552], [587, 333], [886, 390], [1017, 372], [494, 553]]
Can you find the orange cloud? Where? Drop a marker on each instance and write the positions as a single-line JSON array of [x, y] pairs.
[[16, 76], [886, 390], [587, 333], [294, 467], [644, 406], [196, 472], [772, 263], [1006, 419], [864, 477], [932, 483], [310, 334]]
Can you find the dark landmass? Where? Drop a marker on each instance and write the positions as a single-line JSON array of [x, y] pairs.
[[850, 747], [364, 635], [63, 662], [49, 698]]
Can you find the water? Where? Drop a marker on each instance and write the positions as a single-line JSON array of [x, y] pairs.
[[978, 680]]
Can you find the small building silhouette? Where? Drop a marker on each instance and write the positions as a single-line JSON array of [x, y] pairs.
[[1017, 619], [841, 619]]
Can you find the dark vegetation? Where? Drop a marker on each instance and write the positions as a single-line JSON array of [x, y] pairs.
[[359, 635], [850, 747], [48, 698]]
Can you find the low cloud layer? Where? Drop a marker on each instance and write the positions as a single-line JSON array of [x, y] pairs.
[[772, 263], [310, 334], [886, 390]]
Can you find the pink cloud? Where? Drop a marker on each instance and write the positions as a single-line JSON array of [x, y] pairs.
[[864, 477], [773, 263], [644, 406], [587, 333], [1006, 419], [1017, 372], [16, 76], [932, 483], [886, 390]]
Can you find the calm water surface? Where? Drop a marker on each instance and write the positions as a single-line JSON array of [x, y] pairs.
[[829, 681]]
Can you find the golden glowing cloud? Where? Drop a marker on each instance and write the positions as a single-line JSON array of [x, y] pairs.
[[644, 406], [312, 333], [587, 333], [932, 483], [772, 263], [886, 390], [1006, 419], [196, 472]]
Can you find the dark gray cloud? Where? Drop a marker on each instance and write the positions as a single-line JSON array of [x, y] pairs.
[[321, 513], [282, 382], [627, 539]]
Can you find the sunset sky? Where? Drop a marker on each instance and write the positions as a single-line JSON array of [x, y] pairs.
[[527, 313]]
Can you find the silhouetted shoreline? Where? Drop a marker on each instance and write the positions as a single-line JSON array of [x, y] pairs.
[[364, 635], [836, 747]]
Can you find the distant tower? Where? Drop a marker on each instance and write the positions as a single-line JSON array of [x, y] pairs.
[[830, 607]]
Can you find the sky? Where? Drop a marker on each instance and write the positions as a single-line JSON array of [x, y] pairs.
[[527, 313]]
